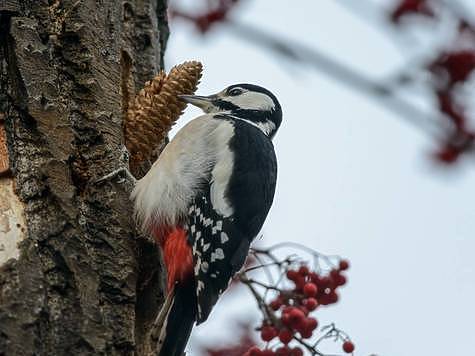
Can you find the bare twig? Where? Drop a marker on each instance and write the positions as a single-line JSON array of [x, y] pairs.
[[260, 300]]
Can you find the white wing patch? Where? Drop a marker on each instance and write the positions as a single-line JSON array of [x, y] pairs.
[[218, 254], [220, 177], [200, 285], [224, 237], [204, 267]]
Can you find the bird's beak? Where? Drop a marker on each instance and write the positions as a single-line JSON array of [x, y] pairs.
[[205, 103]]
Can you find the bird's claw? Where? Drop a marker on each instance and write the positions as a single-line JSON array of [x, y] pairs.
[[116, 173]]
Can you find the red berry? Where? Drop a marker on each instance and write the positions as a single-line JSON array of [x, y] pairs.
[[324, 300], [296, 316], [324, 283], [448, 154], [276, 304], [254, 351], [299, 325], [333, 297], [285, 319], [288, 309], [303, 271], [310, 303], [341, 280], [282, 351], [285, 336], [334, 273], [310, 290], [314, 277], [299, 282], [296, 351], [311, 324], [268, 333], [292, 275], [344, 265], [306, 334], [267, 352], [348, 347]]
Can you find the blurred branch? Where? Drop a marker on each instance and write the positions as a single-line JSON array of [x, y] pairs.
[[382, 94], [365, 10], [452, 67]]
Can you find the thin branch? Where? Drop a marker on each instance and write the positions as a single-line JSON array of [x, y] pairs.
[[309, 347], [302, 247], [263, 285], [260, 301], [262, 265]]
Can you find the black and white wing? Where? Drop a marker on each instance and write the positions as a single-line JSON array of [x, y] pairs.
[[220, 243], [219, 251]]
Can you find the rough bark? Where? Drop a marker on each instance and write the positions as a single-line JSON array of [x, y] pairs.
[[83, 283]]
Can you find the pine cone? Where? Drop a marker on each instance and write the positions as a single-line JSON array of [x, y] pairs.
[[156, 108]]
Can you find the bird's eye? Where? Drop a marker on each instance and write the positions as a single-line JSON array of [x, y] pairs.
[[235, 91]]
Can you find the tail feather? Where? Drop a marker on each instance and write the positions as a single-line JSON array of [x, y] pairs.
[[177, 317]]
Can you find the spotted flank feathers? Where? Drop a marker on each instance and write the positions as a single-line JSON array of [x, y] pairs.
[[219, 251]]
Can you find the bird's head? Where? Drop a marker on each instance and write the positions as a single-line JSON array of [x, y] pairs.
[[248, 102]]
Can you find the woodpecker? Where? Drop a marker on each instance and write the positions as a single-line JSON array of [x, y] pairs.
[[206, 198]]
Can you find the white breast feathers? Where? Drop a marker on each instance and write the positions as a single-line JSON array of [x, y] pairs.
[[198, 155]]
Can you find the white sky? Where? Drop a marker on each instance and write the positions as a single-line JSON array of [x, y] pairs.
[[354, 180]]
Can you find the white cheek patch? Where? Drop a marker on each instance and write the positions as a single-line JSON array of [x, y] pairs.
[[251, 100], [266, 127]]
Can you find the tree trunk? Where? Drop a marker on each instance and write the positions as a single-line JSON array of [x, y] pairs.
[[80, 282]]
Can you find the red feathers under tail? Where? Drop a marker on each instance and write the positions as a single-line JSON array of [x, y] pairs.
[[177, 257], [178, 313]]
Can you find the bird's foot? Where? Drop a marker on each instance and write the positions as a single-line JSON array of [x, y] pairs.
[[124, 158], [117, 172]]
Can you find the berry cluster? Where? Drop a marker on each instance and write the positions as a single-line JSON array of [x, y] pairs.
[[411, 7], [214, 13], [289, 316], [450, 72]]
